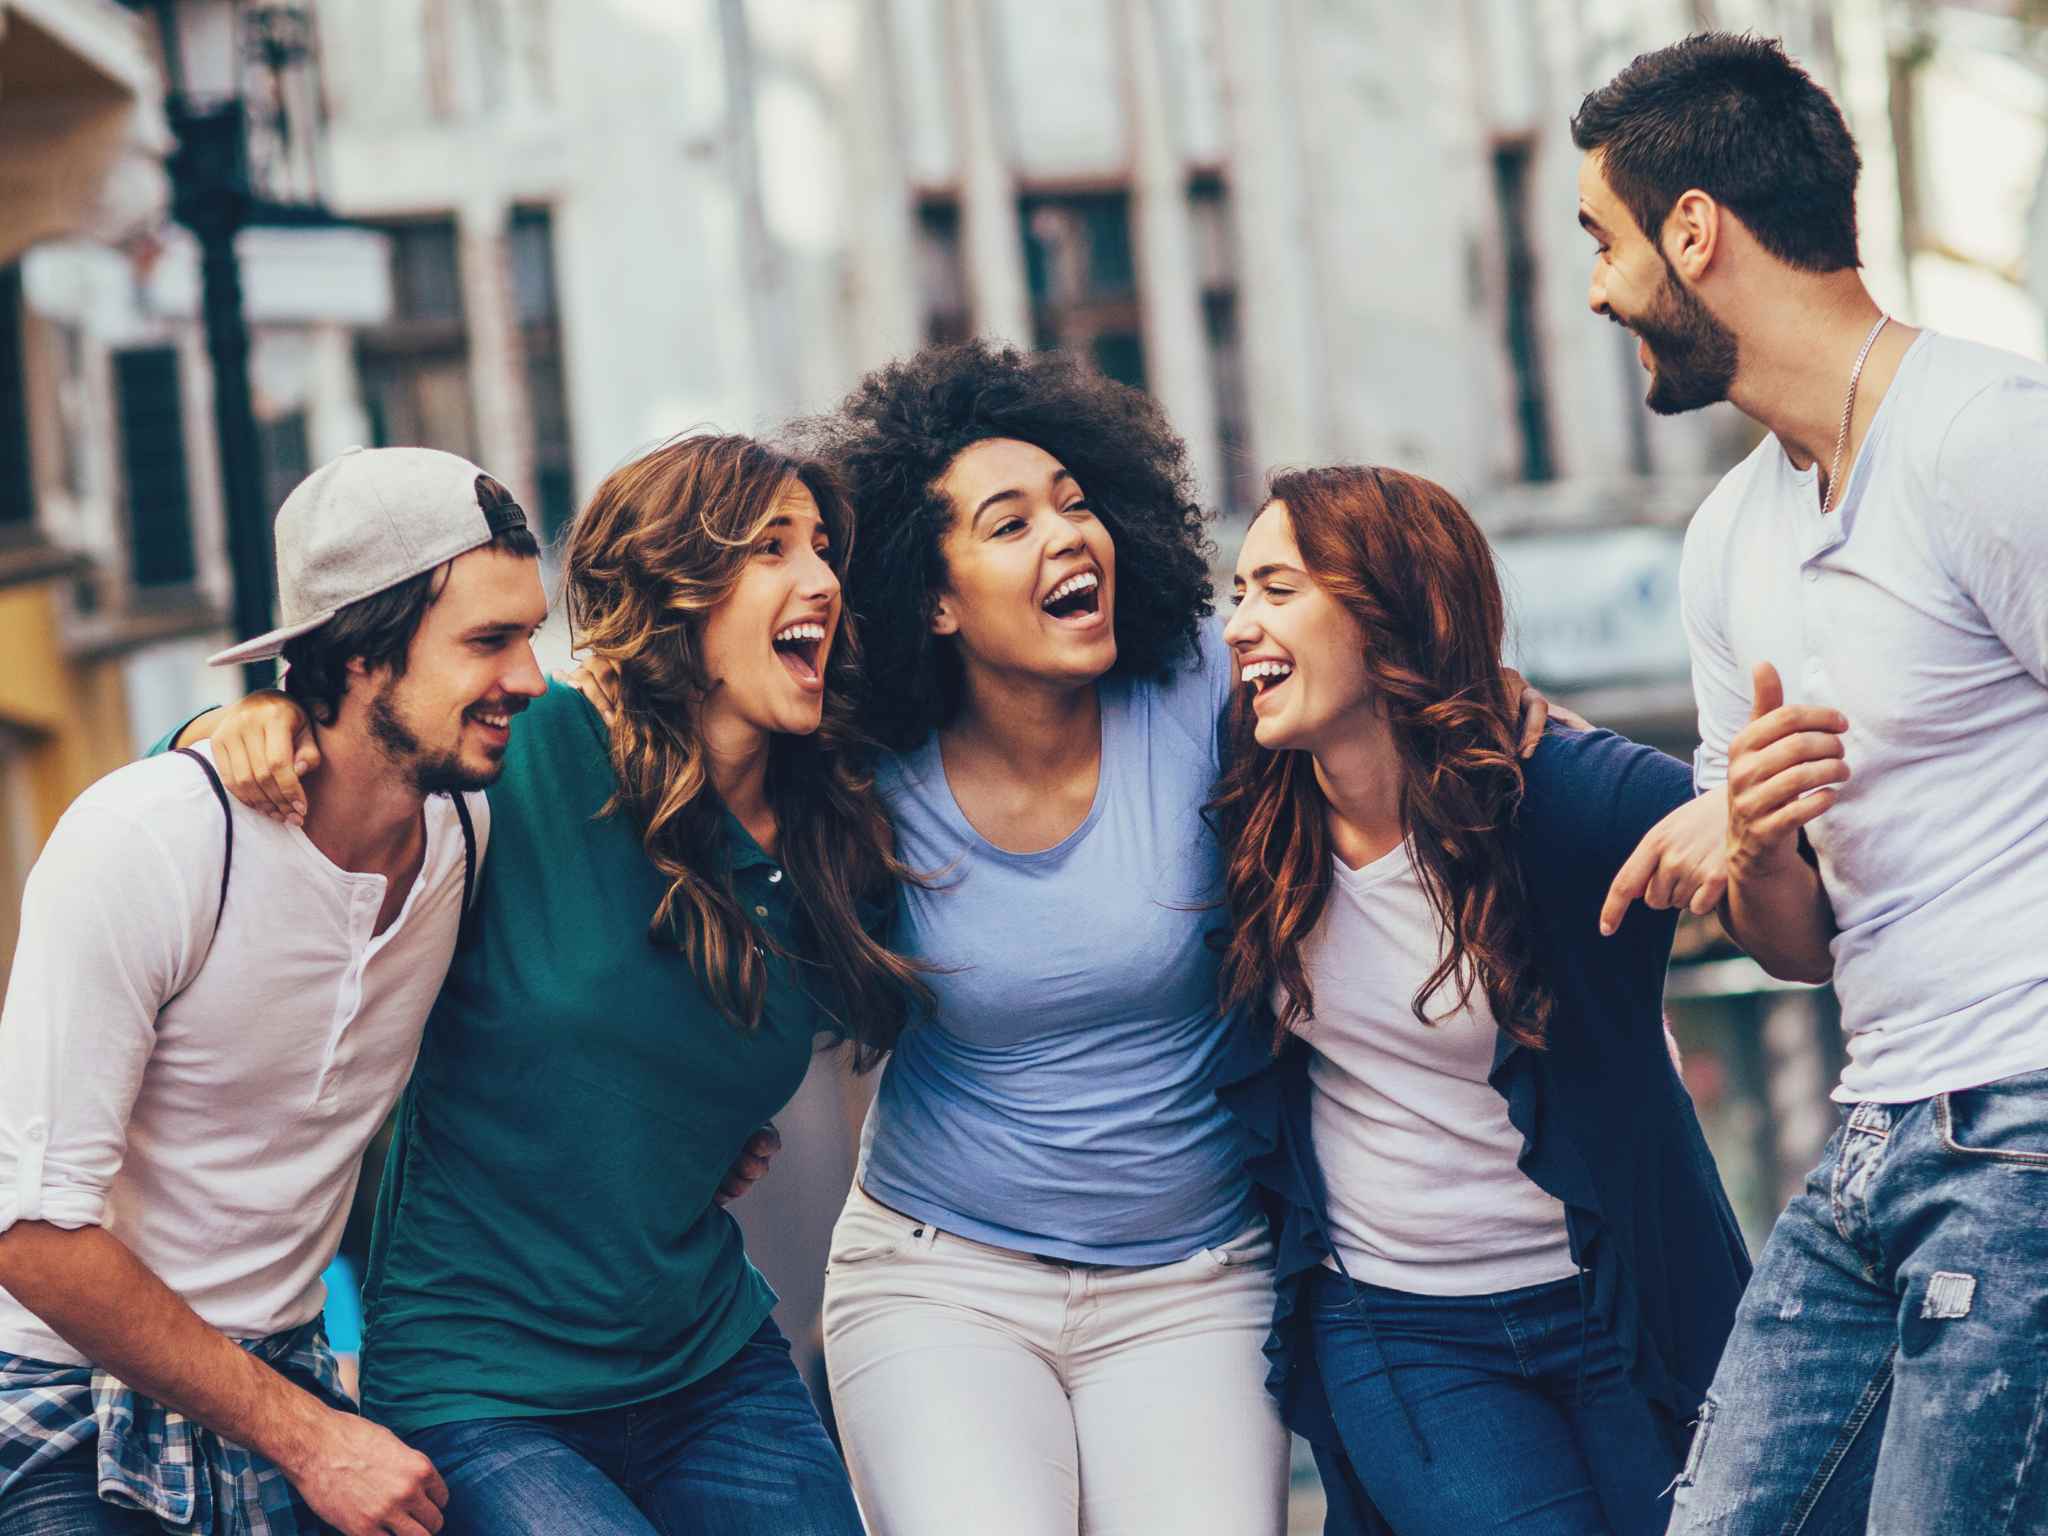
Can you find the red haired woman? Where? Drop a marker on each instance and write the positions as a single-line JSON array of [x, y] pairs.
[[1508, 1265]]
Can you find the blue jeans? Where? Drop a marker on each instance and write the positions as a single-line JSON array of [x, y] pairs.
[[1889, 1366], [739, 1453], [1507, 1413], [63, 1499]]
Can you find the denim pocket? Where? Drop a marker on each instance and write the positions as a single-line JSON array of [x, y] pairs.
[[2000, 1122], [1689, 1474]]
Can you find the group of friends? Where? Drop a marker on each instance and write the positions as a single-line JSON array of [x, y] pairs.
[[1269, 1010]]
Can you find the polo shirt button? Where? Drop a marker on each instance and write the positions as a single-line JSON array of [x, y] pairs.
[[1812, 575], [37, 1131], [760, 911], [774, 876]]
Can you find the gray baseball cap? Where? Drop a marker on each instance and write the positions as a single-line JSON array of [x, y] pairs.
[[365, 521]]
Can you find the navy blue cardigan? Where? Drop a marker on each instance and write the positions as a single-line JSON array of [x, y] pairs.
[[1606, 1125]]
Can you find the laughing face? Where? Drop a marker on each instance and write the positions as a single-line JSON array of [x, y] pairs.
[[1689, 354], [765, 647], [1298, 652], [1031, 572], [445, 721]]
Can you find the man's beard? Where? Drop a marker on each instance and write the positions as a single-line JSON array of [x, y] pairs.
[[431, 773], [1692, 354]]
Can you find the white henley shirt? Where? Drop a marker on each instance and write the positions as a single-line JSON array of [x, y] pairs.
[[209, 1105]]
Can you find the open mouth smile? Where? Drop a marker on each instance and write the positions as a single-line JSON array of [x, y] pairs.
[[1076, 601], [1262, 677], [802, 649], [495, 723]]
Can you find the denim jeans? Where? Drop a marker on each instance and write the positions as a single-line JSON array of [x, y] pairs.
[[739, 1453], [1508, 1413], [1889, 1366], [63, 1499]]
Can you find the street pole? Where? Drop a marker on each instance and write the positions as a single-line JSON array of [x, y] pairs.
[[211, 198]]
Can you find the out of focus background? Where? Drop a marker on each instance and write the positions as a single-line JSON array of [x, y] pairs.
[[238, 237]]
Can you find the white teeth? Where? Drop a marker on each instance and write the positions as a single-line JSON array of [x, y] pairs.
[[801, 632], [499, 721], [1259, 669], [1081, 583]]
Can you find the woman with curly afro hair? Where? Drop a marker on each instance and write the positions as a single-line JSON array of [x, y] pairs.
[[1048, 1294]]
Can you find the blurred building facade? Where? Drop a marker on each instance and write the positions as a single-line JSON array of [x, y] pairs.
[[82, 143]]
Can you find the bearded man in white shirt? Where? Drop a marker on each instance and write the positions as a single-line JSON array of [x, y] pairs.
[[1866, 600], [212, 1011]]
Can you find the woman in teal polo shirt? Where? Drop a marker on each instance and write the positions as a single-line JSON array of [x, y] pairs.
[[559, 1314]]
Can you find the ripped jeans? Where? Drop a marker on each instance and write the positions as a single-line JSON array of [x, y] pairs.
[[1888, 1372]]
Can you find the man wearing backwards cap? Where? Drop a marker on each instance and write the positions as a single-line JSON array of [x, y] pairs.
[[211, 1013]]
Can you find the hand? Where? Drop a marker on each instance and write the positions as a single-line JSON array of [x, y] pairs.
[[262, 745], [752, 1163], [363, 1480], [1681, 862], [1782, 771], [1534, 710]]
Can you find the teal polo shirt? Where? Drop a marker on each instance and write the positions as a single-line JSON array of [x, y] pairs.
[[546, 1239]]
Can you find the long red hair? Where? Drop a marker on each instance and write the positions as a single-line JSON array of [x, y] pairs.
[[1409, 565]]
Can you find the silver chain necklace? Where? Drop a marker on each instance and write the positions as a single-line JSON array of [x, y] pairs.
[[1849, 410]]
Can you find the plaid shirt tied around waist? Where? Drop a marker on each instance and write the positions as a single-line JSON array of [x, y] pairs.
[[153, 1459]]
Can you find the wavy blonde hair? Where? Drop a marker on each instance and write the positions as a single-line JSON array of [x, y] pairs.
[[663, 541]]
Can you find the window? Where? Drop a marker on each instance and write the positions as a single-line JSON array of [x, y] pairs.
[[283, 450], [416, 369], [540, 328], [1511, 172], [1216, 267], [17, 483], [152, 415], [942, 271], [1083, 281]]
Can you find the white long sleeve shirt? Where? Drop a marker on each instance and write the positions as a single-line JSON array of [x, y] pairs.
[[1919, 609], [206, 1096]]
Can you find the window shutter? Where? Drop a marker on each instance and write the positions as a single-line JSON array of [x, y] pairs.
[[17, 484], [153, 455]]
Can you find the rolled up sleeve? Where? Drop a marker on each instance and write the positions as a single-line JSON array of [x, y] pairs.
[[108, 931]]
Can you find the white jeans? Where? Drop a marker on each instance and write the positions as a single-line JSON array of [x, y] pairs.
[[982, 1390]]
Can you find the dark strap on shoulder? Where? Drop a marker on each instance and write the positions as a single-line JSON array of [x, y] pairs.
[[220, 793], [468, 847]]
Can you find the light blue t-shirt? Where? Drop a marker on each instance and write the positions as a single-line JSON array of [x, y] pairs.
[[1062, 1101]]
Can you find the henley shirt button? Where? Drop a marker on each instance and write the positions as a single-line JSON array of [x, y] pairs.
[[1812, 574], [37, 1131], [760, 911], [774, 875]]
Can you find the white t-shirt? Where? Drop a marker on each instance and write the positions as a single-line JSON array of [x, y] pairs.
[[1919, 609], [208, 1105], [1416, 1151]]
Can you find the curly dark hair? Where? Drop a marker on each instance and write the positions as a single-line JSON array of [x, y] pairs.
[[892, 441]]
